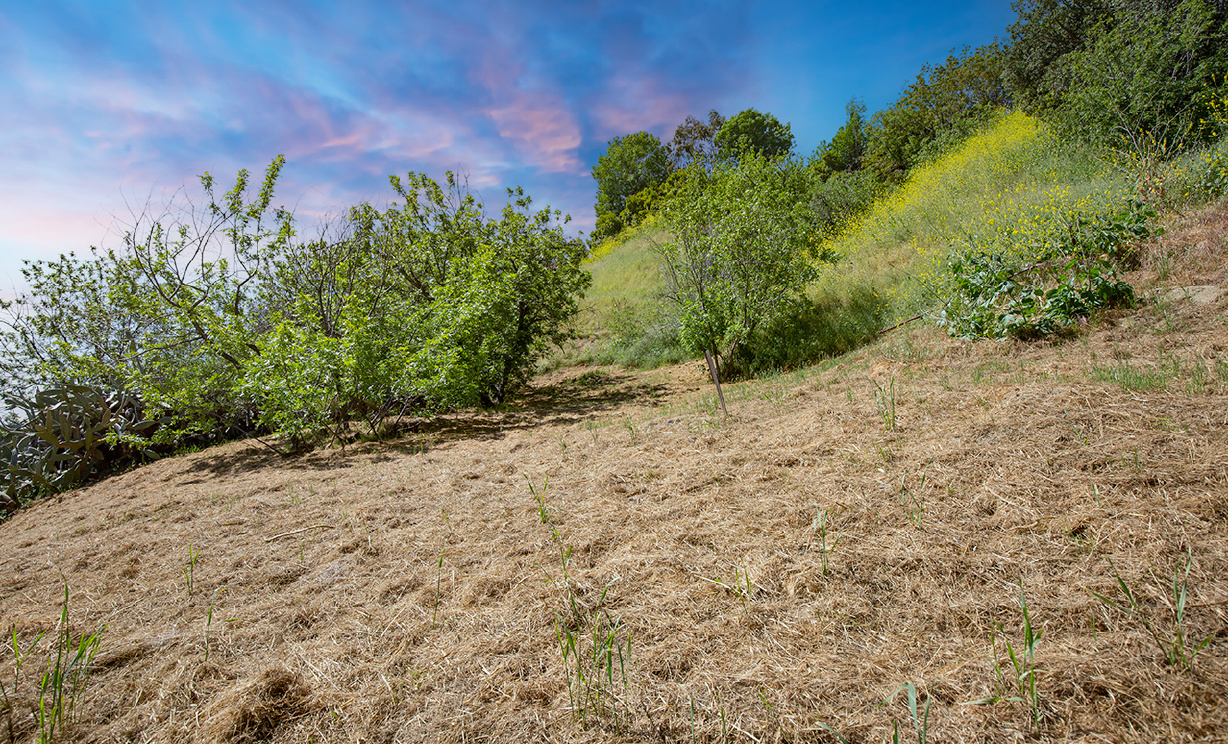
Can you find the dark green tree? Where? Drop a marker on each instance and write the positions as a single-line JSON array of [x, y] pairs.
[[753, 131], [848, 147], [1137, 86], [695, 141], [1042, 37], [631, 163]]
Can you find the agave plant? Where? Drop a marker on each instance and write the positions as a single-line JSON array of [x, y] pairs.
[[63, 434]]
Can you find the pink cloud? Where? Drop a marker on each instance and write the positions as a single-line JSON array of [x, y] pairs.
[[542, 131], [641, 102], [533, 119]]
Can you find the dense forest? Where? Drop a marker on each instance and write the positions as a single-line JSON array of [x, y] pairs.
[[219, 318]]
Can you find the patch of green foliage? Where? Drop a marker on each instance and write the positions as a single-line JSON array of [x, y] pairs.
[[630, 164], [1075, 274]]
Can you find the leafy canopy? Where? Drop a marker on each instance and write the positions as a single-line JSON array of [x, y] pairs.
[[630, 164], [751, 131]]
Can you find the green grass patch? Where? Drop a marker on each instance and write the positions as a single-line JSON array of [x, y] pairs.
[[1129, 377], [623, 313], [1006, 189]]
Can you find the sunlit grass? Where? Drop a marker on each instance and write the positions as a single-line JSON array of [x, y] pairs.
[[1008, 189], [625, 272]]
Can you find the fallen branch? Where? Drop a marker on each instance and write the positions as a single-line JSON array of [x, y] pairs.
[[901, 323], [301, 529]]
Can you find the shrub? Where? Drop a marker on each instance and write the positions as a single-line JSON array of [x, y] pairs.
[[1076, 273], [741, 250]]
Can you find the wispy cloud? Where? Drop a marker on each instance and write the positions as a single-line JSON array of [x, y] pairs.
[[103, 99]]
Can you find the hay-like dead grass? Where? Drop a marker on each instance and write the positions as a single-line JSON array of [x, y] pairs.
[[334, 617]]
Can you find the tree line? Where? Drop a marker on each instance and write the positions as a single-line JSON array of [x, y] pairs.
[[1131, 75], [214, 319]]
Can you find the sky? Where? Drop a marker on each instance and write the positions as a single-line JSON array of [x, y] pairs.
[[108, 108]]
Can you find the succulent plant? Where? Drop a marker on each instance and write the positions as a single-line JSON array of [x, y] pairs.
[[63, 435]]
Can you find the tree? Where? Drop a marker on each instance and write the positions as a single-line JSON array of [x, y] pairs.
[[752, 131], [1045, 33], [1136, 86], [630, 164], [848, 146], [215, 321], [741, 249], [695, 141], [170, 317], [472, 303]]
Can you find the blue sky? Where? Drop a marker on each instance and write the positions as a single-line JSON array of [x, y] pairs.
[[107, 106]]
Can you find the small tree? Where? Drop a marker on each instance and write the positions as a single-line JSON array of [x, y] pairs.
[[742, 249]]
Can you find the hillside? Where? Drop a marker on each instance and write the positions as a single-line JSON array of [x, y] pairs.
[[875, 520]]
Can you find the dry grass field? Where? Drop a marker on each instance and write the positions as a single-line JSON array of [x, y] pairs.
[[611, 559]]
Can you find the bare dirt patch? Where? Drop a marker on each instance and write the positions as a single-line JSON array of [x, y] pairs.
[[414, 590]]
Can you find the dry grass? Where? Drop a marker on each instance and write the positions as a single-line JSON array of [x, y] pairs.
[[334, 617]]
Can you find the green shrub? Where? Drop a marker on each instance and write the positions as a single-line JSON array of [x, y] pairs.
[[1073, 275], [811, 331]]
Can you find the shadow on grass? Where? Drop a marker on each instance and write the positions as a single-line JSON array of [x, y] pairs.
[[813, 331], [564, 402]]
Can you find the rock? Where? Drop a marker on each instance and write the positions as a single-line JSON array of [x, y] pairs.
[[1202, 294]]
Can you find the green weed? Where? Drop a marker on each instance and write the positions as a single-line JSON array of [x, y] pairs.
[[189, 570], [1174, 642], [740, 587], [443, 551], [920, 721], [884, 398], [1021, 686], [822, 522], [594, 661], [911, 501], [595, 664], [63, 680], [539, 496], [19, 659]]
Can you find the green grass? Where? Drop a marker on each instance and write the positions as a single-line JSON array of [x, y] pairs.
[[1006, 188], [622, 313], [625, 274]]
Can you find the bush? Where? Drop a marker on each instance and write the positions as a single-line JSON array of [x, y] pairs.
[[810, 331], [995, 294]]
